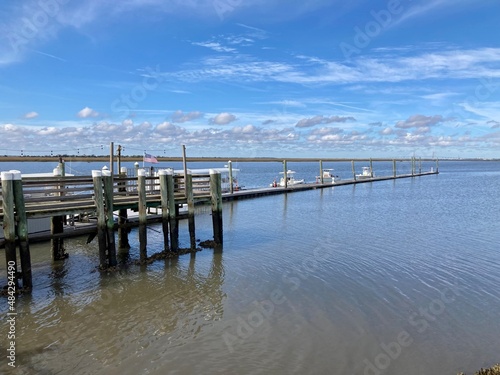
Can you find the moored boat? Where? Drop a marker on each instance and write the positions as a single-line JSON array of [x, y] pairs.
[[290, 180], [328, 177]]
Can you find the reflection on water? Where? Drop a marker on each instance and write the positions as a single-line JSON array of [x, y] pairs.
[[395, 277]]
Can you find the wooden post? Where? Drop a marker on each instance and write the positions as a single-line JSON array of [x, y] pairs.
[[172, 213], [119, 158], [110, 222], [57, 222], [184, 165], [353, 170], [123, 216], [162, 175], [9, 226], [230, 166], [190, 204], [371, 167], [141, 186], [321, 172], [216, 198], [437, 165], [285, 175], [111, 157], [22, 231], [394, 172], [420, 165], [101, 218]]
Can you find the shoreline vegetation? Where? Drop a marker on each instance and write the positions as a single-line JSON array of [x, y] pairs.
[[495, 370]]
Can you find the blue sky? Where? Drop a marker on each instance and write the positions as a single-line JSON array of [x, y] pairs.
[[310, 78]]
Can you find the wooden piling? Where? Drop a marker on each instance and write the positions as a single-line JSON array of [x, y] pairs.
[[141, 187], [162, 176], [285, 175], [123, 215], [353, 170], [371, 168], [230, 166], [9, 225], [57, 222], [321, 172], [110, 221], [101, 218], [190, 204], [394, 173], [173, 221], [216, 198], [22, 231]]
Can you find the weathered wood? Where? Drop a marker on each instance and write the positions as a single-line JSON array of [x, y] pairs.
[[9, 224], [173, 221], [57, 222], [353, 170], [190, 204], [141, 187], [123, 243], [216, 199], [110, 221], [162, 175], [371, 168], [230, 166], [394, 172], [101, 218], [321, 172], [22, 231], [285, 175]]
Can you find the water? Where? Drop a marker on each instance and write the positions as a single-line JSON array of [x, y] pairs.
[[392, 277]]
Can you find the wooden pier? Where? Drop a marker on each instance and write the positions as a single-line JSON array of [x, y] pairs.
[[102, 194], [66, 200]]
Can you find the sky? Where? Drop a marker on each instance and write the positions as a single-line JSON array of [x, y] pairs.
[[251, 78]]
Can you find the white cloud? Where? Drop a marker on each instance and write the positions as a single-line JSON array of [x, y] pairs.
[[87, 113], [223, 118], [180, 116], [30, 115]]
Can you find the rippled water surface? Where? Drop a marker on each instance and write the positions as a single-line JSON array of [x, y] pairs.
[[392, 277]]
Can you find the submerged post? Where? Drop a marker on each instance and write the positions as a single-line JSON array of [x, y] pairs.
[[216, 198], [22, 231], [190, 204], [141, 187], [101, 217], [172, 213], [57, 222], [162, 176], [123, 215], [110, 222], [9, 226]]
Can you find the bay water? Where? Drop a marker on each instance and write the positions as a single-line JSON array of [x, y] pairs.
[[389, 277]]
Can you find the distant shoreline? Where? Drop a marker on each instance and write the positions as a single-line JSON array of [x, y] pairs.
[[139, 158]]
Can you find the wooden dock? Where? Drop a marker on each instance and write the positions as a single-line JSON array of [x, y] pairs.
[[67, 201], [100, 196]]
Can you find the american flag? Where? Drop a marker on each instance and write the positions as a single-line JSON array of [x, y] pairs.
[[148, 158]]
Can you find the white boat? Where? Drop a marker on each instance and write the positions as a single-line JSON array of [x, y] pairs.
[[290, 180], [328, 177], [365, 174]]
